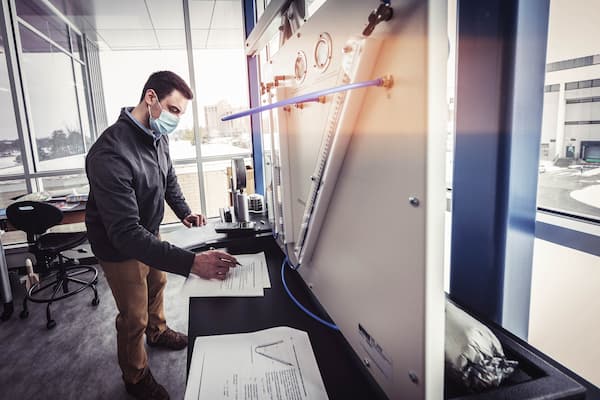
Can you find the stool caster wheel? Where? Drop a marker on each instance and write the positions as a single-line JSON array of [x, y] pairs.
[[8, 310], [95, 302], [24, 314], [51, 324]]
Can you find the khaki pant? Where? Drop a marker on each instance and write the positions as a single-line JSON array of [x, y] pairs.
[[138, 292]]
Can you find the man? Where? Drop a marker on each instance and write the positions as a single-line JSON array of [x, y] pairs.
[[131, 175]]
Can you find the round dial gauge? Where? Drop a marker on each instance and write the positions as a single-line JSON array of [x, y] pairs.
[[300, 67], [323, 52]]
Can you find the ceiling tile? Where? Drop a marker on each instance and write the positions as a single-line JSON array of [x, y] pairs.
[[201, 14], [119, 14], [227, 15], [166, 14], [120, 39], [225, 39], [171, 38], [199, 37]]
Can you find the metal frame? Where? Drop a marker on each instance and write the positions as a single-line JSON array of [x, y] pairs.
[[500, 82], [17, 95], [30, 157], [197, 133], [94, 87], [249, 12], [567, 232], [87, 88], [77, 100], [47, 39], [60, 15], [257, 36]]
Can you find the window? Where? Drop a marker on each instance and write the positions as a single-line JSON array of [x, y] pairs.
[[187, 177], [11, 160], [39, 17], [63, 185], [568, 184], [221, 78], [217, 175], [53, 108], [57, 111], [569, 172], [128, 55], [52, 129]]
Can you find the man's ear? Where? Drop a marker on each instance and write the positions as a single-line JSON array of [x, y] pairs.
[[150, 96]]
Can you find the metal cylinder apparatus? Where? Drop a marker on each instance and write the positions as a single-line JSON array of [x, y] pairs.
[[241, 207]]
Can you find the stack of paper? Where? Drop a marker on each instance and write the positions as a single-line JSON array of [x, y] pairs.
[[276, 363], [248, 280]]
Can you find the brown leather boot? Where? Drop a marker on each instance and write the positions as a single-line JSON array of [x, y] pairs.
[[170, 340], [147, 388]]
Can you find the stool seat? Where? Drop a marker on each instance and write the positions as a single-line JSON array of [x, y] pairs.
[[57, 242]]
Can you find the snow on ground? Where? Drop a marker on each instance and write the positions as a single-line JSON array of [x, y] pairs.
[[589, 195]]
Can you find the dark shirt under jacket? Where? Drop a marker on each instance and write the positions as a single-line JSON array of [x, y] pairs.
[[131, 175]]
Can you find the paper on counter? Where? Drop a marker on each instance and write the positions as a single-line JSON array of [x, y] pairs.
[[246, 280], [258, 258], [276, 363]]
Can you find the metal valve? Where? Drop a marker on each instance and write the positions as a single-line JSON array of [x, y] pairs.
[[383, 13]]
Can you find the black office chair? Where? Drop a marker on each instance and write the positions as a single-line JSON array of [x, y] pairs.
[[35, 218]]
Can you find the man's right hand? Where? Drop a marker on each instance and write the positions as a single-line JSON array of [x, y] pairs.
[[213, 264]]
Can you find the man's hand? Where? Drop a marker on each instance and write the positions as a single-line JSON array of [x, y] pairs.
[[213, 264], [194, 220]]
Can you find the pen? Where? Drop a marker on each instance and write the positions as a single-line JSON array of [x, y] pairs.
[[229, 261]]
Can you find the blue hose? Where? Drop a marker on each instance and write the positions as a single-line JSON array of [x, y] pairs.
[[314, 96], [308, 312]]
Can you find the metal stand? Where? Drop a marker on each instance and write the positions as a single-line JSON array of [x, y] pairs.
[[83, 276]]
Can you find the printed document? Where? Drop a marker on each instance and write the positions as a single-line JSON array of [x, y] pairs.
[[272, 364], [248, 280]]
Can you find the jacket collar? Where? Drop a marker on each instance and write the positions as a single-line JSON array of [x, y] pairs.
[[126, 115]]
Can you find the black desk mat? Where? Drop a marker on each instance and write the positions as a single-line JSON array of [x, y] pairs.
[[340, 369]]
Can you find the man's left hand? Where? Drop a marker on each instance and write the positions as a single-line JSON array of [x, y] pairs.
[[194, 220]]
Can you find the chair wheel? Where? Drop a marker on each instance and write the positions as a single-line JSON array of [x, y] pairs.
[[24, 314], [95, 301], [51, 324]]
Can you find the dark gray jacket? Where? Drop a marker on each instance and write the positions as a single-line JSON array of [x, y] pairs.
[[131, 175]]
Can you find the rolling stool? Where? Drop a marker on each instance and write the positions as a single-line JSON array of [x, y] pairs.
[[35, 218]]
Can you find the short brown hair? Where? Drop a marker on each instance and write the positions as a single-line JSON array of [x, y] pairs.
[[164, 82]]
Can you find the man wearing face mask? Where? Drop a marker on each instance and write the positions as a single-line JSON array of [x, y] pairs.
[[131, 176]]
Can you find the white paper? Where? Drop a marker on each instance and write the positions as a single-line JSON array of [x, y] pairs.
[[246, 280], [276, 363]]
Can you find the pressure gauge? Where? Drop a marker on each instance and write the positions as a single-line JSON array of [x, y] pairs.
[[300, 67], [323, 52]]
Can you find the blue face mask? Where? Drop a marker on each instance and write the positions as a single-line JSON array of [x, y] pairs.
[[165, 123]]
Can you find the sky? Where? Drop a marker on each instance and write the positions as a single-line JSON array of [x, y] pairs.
[[220, 75]]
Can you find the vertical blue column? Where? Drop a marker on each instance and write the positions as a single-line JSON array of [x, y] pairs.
[[499, 100], [253, 79]]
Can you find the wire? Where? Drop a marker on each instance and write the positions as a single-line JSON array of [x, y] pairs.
[[308, 312], [289, 261], [313, 96]]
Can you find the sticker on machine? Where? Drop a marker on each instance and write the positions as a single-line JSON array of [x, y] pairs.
[[375, 351]]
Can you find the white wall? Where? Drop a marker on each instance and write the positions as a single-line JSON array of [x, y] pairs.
[[565, 307]]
